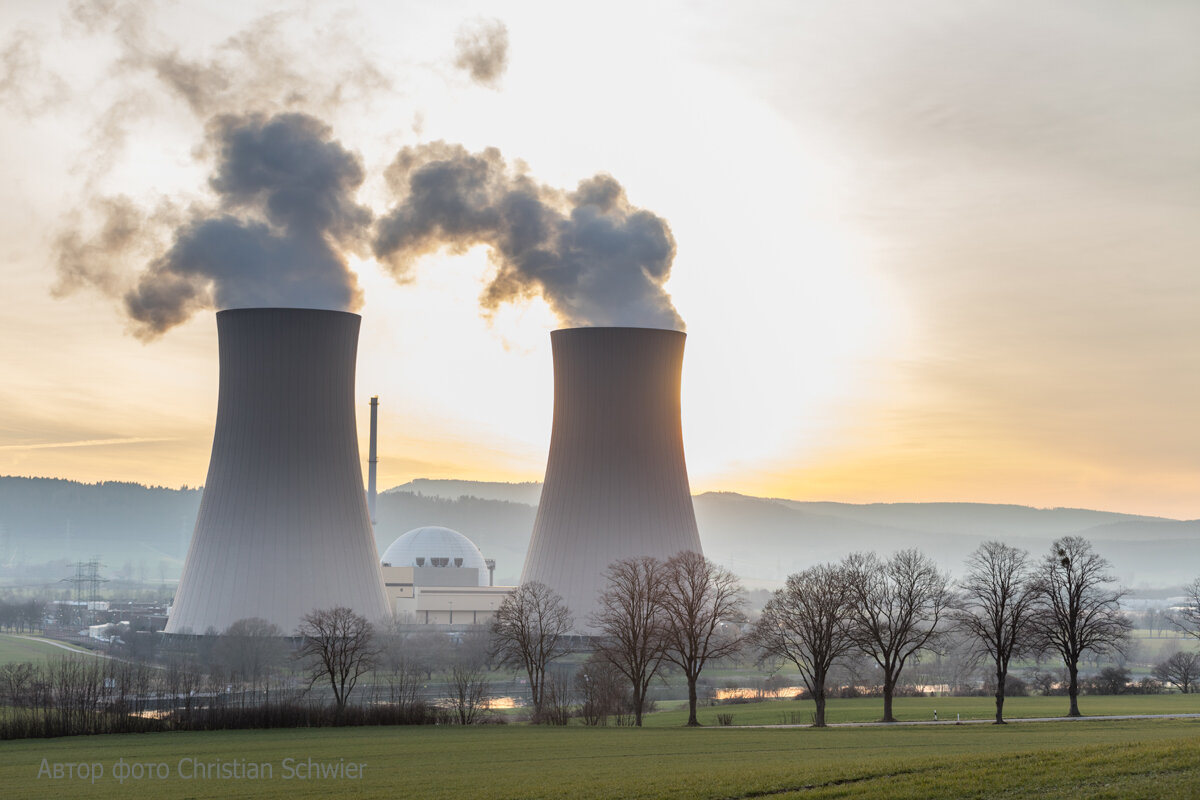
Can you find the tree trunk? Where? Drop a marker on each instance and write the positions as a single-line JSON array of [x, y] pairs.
[[1001, 676], [1073, 690], [535, 694], [889, 686], [692, 721], [819, 719], [638, 702]]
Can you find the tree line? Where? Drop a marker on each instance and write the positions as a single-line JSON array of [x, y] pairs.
[[22, 616], [682, 614], [687, 611], [684, 611]]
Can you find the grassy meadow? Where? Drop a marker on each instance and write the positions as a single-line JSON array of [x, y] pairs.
[[14, 649], [919, 709], [1125, 759], [1093, 759]]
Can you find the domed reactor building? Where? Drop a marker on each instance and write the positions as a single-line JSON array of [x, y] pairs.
[[616, 482], [283, 527], [435, 575]]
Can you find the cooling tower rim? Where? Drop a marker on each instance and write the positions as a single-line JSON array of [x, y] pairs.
[[289, 310], [579, 330]]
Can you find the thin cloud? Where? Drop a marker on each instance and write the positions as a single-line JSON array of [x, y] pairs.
[[86, 443]]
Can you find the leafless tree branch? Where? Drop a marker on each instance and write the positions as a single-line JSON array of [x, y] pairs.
[[632, 622], [1077, 611], [339, 646], [808, 622], [898, 610], [996, 607], [529, 631]]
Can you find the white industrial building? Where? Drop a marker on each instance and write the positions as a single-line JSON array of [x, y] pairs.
[[434, 575]]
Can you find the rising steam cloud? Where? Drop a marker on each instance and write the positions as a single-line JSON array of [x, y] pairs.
[[481, 49], [593, 257], [285, 216]]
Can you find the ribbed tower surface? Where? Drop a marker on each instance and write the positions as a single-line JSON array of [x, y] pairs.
[[283, 527], [616, 482]]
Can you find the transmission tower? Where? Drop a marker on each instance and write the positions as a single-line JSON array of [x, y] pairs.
[[86, 585]]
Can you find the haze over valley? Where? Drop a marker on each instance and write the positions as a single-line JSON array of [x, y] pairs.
[[48, 524]]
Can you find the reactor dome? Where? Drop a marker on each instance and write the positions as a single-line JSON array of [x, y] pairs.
[[433, 546]]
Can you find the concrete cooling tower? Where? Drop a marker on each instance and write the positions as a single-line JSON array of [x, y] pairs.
[[283, 527], [616, 482]]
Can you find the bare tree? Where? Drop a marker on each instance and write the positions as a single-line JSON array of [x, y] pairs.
[[468, 691], [996, 607], [808, 623], [599, 684], [250, 649], [701, 604], [340, 647], [1187, 616], [428, 652], [898, 610], [1077, 612], [1182, 669], [16, 680], [631, 622], [559, 696], [531, 628], [400, 669]]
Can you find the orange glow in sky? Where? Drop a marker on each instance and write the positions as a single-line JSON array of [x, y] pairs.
[[943, 253]]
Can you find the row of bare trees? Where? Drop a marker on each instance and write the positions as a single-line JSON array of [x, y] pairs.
[[894, 610], [683, 611], [248, 676], [22, 616], [1182, 669], [1187, 617]]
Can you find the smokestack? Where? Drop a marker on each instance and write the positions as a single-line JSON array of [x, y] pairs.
[[616, 481], [283, 527], [373, 458]]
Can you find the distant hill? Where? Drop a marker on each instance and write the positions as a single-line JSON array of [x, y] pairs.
[[528, 493], [126, 525], [147, 528], [974, 518], [765, 540]]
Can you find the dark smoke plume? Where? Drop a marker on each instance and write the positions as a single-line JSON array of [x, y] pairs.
[[126, 233], [286, 212], [481, 49], [592, 256]]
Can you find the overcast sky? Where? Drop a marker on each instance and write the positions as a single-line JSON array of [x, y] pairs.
[[924, 250]]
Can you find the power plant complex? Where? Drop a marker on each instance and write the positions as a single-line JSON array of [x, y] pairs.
[[285, 525]]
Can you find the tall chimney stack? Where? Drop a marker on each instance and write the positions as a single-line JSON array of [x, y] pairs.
[[373, 457], [616, 481]]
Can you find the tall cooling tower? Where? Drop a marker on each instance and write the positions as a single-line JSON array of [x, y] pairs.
[[283, 527], [616, 482]]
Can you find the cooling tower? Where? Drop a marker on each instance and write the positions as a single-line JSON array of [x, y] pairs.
[[616, 482], [282, 528]]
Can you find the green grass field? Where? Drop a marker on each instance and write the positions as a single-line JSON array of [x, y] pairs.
[[864, 709], [20, 648], [1133, 759]]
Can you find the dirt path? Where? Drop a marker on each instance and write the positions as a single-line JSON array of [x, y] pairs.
[[988, 721]]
